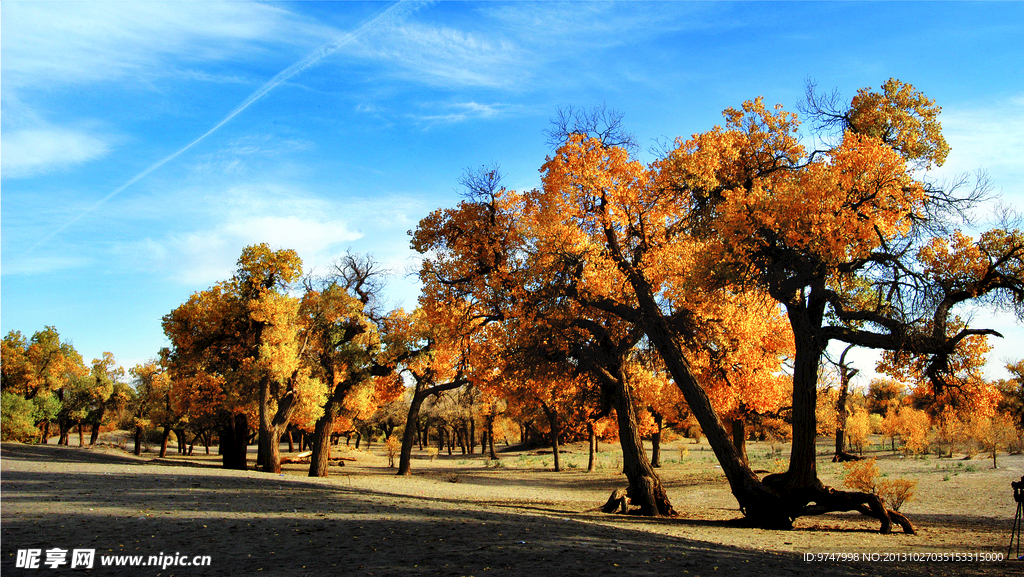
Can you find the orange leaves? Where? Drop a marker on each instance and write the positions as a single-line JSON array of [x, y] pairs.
[[228, 339], [904, 119], [43, 363], [958, 257]]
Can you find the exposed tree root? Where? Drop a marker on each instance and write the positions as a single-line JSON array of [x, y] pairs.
[[831, 501], [843, 456], [639, 500], [823, 500], [618, 502]]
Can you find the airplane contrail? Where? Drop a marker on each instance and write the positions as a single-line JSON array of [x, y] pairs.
[[309, 60]]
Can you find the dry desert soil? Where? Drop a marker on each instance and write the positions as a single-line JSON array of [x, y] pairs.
[[466, 515]]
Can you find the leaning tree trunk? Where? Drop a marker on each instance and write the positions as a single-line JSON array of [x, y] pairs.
[[739, 439], [761, 504], [645, 489], [321, 441], [405, 456], [163, 441], [409, 435]]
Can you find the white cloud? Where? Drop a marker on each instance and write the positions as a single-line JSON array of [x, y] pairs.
[[443, 55], [47, 44], [283, 217], [462, 111], [32, 264], [32, 151]]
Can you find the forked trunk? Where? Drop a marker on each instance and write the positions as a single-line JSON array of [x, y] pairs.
[[269, 456], [182, 443], [95, 434], [552, 415]]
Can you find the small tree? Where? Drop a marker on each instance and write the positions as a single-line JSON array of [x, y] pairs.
[[913, 427], [857, 428], [864, 476], [994, 434]]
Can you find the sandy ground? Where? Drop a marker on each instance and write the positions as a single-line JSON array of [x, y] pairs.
[[462, 515]]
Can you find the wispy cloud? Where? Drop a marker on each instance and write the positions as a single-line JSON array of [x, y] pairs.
[[32, 151], [989, 137], [244, 215], [49, 44], [449, 113], [311, 59]]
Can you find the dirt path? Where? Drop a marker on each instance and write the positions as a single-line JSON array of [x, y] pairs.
[[455, 517]]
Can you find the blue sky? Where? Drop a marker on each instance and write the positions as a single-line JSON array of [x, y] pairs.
[[144, 144]]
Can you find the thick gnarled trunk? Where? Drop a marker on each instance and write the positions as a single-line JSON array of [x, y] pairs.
[[645, 489], [234, 436]]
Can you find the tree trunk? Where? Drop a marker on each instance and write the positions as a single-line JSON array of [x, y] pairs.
[[405, 456], [163, 441], [182, 443], [291, 442], [490, 436], [81, 435], [645, 489], [234, 436], [138, 440], [739, 439], [65, 432], [592, 437], [656, 441], [802, 476], [94, 435], [556, 431], [199, 434], [272, 429], [758, 502], [320, 444], [45, 437]]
